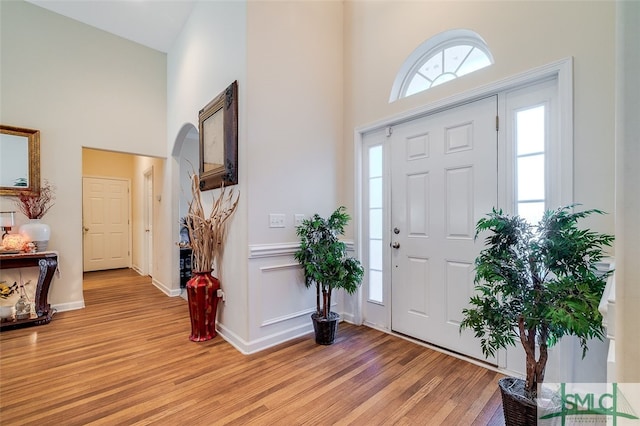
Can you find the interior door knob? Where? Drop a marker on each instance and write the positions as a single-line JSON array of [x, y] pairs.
[[395, 245]]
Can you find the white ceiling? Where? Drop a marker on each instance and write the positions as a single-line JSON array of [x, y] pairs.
[[152, 23]]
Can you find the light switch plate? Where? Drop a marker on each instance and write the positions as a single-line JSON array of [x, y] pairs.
[[276, 220], [297, 219]]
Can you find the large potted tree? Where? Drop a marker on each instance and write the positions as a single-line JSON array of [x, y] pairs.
[[326, 266], [535, 284]]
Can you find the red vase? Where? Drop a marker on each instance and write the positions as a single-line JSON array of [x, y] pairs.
[[202, 292]]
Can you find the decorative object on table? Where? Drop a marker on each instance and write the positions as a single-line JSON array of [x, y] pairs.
[[325, 263], [7, 222], [6, 311], [535, 284], [13, 243], [207, 235], [34, 206], [23, 306], [7, 290]]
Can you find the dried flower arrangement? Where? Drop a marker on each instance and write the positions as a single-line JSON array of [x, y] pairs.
[[35, 206], [207, 234]]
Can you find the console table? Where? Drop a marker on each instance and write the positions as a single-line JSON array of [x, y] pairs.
[[47, 262]]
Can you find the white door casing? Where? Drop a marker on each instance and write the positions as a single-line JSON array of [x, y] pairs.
[[148, 221], [106, 231], [443, 179]]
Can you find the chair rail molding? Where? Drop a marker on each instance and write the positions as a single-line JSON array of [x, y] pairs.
[[258, 251]]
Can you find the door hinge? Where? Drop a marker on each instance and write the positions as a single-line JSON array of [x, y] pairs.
[[497, 123], [388, 131]]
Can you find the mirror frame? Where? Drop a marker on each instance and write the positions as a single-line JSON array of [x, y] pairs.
[[224, 138], [33, 139]]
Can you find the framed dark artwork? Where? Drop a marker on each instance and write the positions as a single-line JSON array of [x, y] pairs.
[[218, 127]]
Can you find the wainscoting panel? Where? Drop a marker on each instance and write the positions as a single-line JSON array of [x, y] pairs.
[[280, 305], [284, 297]]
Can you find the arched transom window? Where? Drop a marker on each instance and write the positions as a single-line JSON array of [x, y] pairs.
[[442, 58]]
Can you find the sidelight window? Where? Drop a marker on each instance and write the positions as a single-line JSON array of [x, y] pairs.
[[530, 162], [375, 223]]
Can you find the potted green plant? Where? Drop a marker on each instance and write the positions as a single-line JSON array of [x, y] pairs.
[[535, 284], [326, 265]]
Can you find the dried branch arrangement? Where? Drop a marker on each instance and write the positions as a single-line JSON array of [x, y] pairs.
[[35, 206], [208, 232]]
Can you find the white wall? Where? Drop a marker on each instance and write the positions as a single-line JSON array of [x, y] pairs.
[[295, 135], [80, 87], [521, 35], [210, 54], [289, 85], [627, 343]]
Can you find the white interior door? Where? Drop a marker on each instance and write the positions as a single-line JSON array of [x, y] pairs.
[[105, 211], [443, 179], [148, 220]]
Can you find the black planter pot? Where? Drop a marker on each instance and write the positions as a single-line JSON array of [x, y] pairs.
[[518, 410], [325, 328]]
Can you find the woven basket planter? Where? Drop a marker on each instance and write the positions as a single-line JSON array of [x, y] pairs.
[[518, 410]]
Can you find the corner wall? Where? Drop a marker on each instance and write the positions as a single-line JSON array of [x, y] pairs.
[[627, 341], [295, 82], [210, 54], [290, 126]]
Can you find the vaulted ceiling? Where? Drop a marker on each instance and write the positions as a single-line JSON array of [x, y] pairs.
[[152, 23]]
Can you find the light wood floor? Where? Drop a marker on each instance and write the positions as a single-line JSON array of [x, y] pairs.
[[126, 359]]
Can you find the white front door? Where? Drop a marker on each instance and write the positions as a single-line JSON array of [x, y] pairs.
[[443, 179], [105, 211]]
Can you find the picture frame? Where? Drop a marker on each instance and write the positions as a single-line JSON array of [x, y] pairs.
[[19, 161], [218, 136]]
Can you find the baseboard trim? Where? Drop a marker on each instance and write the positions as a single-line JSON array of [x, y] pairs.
[[70, 306], [248, 348], [171, 292]]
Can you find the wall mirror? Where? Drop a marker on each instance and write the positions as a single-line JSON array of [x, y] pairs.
[[19, 160], [218, 127]]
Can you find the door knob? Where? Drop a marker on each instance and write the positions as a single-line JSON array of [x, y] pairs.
[[85, 229], [396, 231], [395, 245]]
